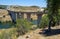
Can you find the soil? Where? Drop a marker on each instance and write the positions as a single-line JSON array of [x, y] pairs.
[[35, 34]]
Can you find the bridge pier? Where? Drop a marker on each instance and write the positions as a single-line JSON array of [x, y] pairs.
[[19, 15], [22, 15], [29, 16], [39, 16]]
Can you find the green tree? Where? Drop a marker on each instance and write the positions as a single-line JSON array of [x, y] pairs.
[[53, 6], [44, 21]]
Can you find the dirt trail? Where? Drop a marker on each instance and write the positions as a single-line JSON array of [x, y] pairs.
[[32, 35], [35, 35]]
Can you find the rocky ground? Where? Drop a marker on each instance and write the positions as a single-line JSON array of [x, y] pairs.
[[35, 34]]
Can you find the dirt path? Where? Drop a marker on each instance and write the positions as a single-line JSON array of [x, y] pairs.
[[35, 35], [32, 35]]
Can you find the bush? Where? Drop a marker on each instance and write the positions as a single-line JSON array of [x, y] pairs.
[[8, 34], [44, 21], [23, 26]]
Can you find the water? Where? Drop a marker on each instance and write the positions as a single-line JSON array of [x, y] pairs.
[[4, 26], [34, 22], [7, 25]]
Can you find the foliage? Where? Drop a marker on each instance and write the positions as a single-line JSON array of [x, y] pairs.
[[8, 34], [35, 6], [23, 26], [53, 6], [44, 21], [0, 22], [3, 6]]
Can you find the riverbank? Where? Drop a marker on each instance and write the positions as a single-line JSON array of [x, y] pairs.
[[35, 34]]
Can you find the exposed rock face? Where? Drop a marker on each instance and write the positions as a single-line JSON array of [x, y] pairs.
[[4, 15]]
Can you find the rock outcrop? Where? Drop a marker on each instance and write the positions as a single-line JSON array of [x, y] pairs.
[[4, 15]]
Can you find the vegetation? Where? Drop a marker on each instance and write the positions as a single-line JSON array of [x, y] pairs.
[[7, 30], [8, 33], [44, 21], [3, 6], [35, 6], [53, 6], [23, 26]]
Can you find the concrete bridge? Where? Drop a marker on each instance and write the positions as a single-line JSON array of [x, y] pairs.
[[26, 15]]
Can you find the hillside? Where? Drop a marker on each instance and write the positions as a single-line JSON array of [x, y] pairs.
[[4, 15], [24, 8]]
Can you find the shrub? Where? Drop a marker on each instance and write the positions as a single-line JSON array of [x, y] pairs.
[[23, 26], [44, 21], [8, 34]]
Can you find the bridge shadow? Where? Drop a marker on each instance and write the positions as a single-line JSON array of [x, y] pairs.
[[50, 33]]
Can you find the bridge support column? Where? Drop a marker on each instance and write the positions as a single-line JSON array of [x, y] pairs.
[[22, 15], [19, 15], [28, 16], [39, 16]]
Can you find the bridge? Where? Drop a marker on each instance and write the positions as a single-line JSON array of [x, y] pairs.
[[26, 14]]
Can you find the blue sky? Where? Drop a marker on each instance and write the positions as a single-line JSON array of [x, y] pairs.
[[41, 3]]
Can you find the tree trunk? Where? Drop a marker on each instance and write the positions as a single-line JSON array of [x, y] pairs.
[[49, 27], [58, 23]]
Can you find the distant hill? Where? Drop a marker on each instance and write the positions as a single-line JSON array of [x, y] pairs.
[[23, 7], [17, 6], [3, 6]]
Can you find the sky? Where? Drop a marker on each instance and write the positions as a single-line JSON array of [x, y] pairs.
[[41, 3]]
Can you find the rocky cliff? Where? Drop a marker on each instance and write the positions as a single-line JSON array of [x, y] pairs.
[[4, 15]]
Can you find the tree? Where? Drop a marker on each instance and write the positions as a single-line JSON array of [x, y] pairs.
[[53, 6], [44, 21]]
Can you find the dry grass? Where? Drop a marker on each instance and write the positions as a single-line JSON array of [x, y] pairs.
[[35, 35], [8, 33]]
